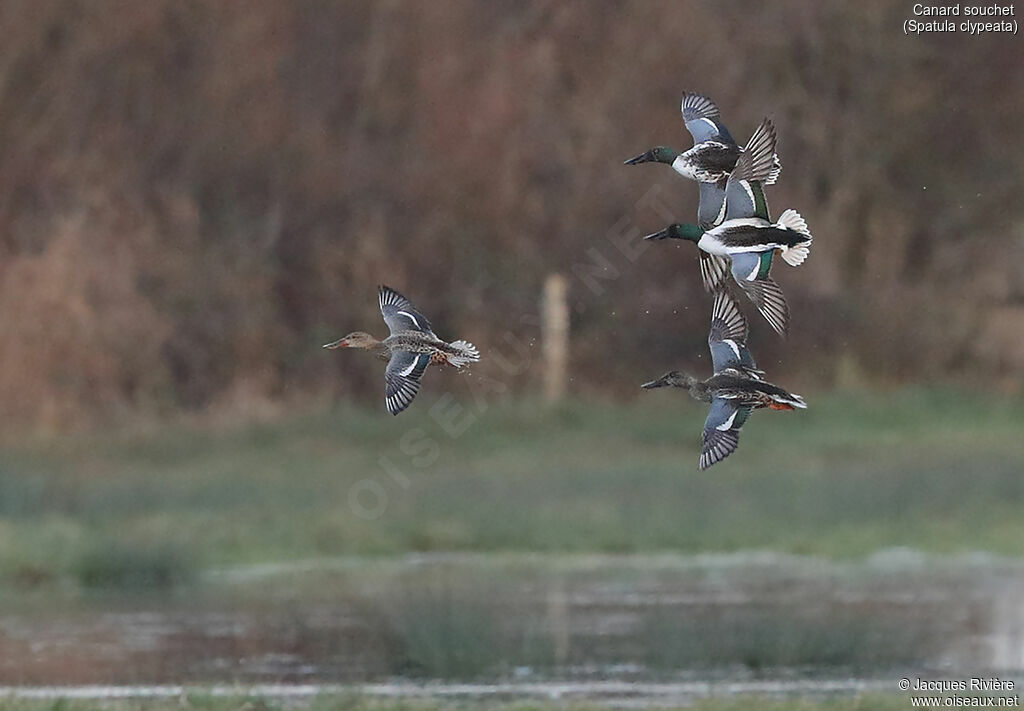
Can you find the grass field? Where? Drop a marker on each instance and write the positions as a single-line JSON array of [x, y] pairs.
[[936, 471]]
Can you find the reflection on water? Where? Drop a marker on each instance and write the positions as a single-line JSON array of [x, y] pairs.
[[530, 619]]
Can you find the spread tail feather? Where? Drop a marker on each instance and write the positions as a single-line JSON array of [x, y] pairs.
[[795, 255], [467, 353], [791, 220]]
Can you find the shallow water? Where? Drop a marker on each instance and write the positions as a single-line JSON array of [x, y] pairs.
[[529, 620]]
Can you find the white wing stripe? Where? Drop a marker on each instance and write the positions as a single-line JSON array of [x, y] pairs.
[[727, 425], [411, 317], [750, 192], [721, 213]]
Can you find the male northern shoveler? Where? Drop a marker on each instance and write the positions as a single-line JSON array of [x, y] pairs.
[[715, 156], [410, 348], [736, 388], [749, 241]]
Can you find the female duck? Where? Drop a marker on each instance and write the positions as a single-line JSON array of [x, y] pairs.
[[410, 348], [736, 388]]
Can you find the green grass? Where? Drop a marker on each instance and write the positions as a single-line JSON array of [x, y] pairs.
[[933, 470], [127, 565], [356, 703]]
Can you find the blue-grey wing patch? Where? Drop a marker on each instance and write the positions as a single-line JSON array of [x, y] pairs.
[[727, 338], [751, 266], [721, 431], [745, 198], [702, 119], [711, 210], [402, 379], [399, 313]]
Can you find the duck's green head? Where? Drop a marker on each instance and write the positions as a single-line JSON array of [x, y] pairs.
[[685, 231], [658, 154]]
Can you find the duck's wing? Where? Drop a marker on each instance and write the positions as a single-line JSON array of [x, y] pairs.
[[767, 297], [758, 160], [702, 119], [744, 198], [402, 379], [712, 209], [713, 268], [727, 338], [399, 313], [722, 431], [751, 266]]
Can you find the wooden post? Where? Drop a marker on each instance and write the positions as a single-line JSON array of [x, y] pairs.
[[555, 337], [558, 621]]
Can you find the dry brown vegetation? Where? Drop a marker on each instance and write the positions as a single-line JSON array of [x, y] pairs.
[[194, 195]]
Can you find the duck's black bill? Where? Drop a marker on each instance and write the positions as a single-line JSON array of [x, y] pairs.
[[659, 383], [644, 157], [660, 234]]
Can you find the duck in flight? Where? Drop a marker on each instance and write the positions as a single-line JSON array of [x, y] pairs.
[[715, 156], [748, 242], [410, 348], [737, 387]]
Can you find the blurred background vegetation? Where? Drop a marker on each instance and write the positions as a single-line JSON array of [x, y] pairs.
[[194, 195]]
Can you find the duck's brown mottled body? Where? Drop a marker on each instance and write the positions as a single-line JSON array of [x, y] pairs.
[[410, 348], [419, 342], [737, 387], [742, 390]]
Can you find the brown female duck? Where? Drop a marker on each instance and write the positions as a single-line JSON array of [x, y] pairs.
[[410, 348]]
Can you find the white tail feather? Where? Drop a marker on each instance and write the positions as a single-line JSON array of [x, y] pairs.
[[469, 354], [791, 220], [795, 256]]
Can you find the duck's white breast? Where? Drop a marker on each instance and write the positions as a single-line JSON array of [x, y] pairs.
[[710, 244], [683, 166]]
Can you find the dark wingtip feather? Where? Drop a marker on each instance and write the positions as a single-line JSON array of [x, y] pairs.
[[718, 447], [698, 106], [770, 302], [758, 161], [726, 312]]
